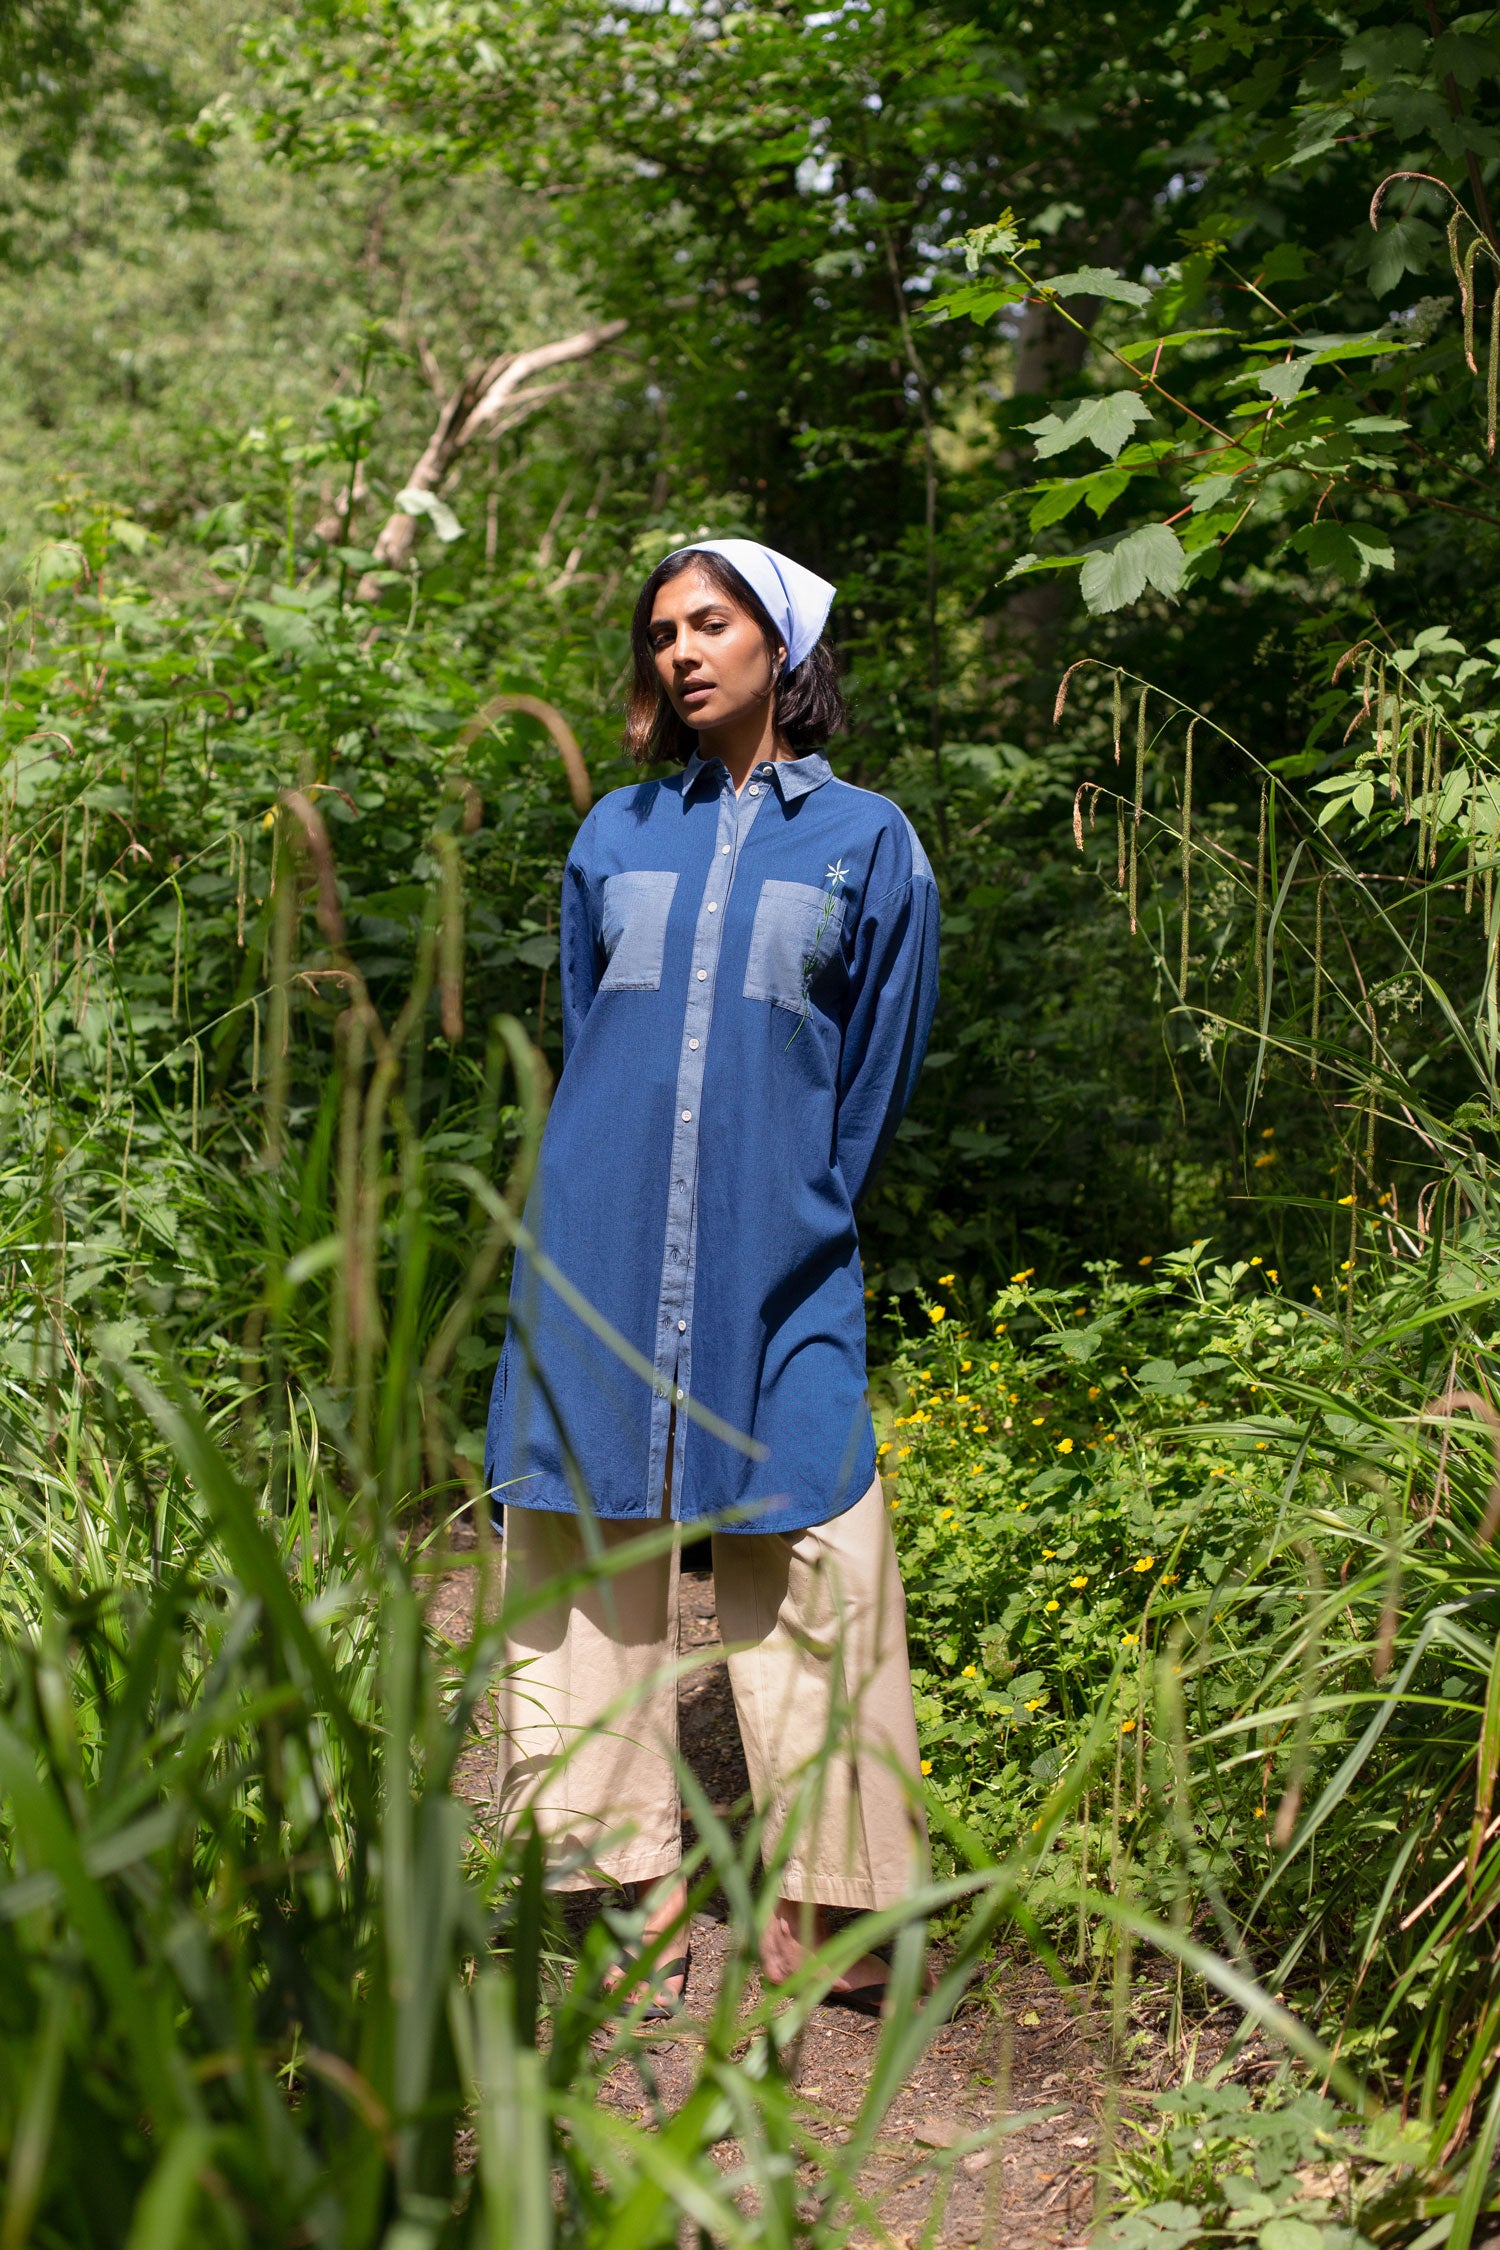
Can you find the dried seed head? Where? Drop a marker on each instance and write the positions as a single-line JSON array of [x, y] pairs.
[[1062, 687]]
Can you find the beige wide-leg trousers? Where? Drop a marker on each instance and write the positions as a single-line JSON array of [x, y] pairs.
[[814, 1624]]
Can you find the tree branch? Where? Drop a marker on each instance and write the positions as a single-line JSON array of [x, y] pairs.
[[489, 399]]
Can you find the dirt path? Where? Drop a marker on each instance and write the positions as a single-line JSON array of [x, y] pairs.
[[1019, 2048]]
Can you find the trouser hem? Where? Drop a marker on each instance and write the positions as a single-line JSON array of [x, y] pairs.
[[616, 1867], [809, 1888]]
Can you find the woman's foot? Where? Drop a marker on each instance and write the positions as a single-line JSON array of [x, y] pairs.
[[794, 1929], [666, 1917]]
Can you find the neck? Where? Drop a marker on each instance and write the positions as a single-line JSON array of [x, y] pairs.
[[745, 742]]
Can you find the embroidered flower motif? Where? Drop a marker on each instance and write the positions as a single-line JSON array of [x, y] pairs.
[[836, 875]]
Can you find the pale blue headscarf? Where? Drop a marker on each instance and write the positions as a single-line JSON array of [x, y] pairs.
[[796, 600]]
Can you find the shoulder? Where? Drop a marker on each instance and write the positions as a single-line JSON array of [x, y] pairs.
[[896, 853], [618, 814]]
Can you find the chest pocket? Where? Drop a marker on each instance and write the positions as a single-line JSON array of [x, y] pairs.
[[634, 917], [794, 937]]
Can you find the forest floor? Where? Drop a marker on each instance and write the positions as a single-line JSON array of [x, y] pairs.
[[1023, 2068]]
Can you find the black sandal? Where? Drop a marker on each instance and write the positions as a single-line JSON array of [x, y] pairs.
[[664, 2006]]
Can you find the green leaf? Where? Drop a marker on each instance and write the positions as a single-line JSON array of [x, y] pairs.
[[57, 563], [1406, 246], [1099, 491], [1290, 2234], [1026, 565], [1209, 491], [1098, 281], [1352, 551], [975, 300], [1106, 422], [1149, 346], [1152, 556]]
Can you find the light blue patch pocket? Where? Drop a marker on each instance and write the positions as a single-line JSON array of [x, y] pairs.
[[794, 937], [636, 906]]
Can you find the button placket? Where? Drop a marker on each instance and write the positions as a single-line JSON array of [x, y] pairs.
[[674, 1304]]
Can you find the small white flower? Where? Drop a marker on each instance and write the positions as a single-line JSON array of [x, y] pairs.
[[837, 872]]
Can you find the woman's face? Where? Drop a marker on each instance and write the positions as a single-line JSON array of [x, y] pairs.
[[710, 656]]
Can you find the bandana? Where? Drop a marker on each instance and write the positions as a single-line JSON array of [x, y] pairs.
[[796, 600]]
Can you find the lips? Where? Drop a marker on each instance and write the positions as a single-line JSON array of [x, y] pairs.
[[696, 693]]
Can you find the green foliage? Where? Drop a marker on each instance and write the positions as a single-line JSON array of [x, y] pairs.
[[1295, 2175]]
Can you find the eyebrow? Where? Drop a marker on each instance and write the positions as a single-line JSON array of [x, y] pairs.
[[704, 609]]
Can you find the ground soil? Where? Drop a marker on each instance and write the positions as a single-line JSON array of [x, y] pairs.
[[1023, 2069]]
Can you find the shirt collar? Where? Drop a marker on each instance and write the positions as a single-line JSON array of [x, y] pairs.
[[794, 777]]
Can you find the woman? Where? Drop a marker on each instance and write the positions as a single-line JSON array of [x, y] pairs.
[[749, 971]]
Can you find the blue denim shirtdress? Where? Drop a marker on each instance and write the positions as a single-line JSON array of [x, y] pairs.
[[748, 984]]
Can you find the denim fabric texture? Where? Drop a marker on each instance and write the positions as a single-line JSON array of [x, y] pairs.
[[747, 987], [633, 928]]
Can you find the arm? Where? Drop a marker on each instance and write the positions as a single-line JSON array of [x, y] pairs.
[[893, 988], [581, 962]]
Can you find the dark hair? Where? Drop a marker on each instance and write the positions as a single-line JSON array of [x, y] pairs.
[[808, 706]]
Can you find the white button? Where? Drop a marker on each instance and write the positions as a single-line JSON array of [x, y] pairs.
[[694, 1045], [703, 976], [713, 906], [687, 1117], [682, 1327], [755, 788], [723, 847]]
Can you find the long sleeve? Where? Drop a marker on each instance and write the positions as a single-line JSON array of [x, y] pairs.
[[894, 987], [580, 961]]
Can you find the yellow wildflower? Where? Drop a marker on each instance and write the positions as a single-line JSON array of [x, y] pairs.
[[926, 1765], [1128, 1640], [964, 1365], [1037, 1420], [1065, 1445], [1273, 1274], [937, 1313], [1036, 1703], [946, 1280], [1081, 1580], [880, 1449], [945, 1515], [901, 1456], [1143, 1261], [1093, 1390], [1049, 1606], [1259, 1813], [1257, 1261], [1048, 1553], [1261, 1162], [1128, 1726], [1346, 1200], [970, 1672], [1143, 1562], [1024, 1275], [1219, 1472], [1268, 1132], [994, 1366], [1109, 1437]]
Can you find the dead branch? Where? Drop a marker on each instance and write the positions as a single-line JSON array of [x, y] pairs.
[[490, 399]]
